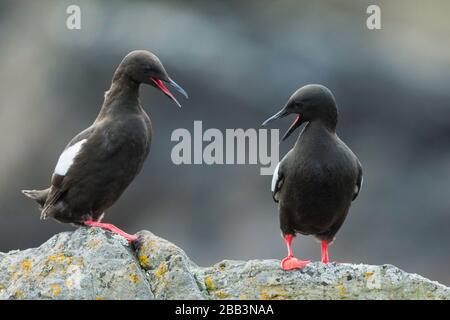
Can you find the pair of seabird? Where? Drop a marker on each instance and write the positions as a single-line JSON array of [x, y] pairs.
[[314, 184]]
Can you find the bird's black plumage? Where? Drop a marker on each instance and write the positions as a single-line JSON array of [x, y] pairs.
[[100, 162], [317, 180]]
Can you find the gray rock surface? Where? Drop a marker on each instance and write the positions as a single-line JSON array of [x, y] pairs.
[[94, 264]]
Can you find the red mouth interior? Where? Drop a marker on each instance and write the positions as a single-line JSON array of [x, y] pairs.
[[295, 122], [163, 88]]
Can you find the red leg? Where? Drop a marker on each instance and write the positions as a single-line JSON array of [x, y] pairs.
[[291, 262], [325, 252], [112, 228]]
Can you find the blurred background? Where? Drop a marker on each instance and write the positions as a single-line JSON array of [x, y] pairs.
[[239, 61]]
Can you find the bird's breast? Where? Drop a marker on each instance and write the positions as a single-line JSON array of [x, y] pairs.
[[319, 175]]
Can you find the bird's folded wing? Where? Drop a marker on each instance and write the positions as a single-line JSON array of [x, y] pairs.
[[359, 181], [65, 162], [277, 182]]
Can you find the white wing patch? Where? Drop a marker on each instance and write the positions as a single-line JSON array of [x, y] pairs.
[[65, 160], [275, 177], [362, 181], [360, 187]]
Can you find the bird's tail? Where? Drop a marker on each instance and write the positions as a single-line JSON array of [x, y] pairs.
[[40, 196]]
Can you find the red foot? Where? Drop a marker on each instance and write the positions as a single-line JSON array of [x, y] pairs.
[[112, 228], [290, 263]]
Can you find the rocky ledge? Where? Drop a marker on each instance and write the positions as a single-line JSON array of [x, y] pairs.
[[94, 264]]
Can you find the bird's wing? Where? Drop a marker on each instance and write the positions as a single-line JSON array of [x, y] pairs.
[[65, 161], [277, 181], [359, 181]]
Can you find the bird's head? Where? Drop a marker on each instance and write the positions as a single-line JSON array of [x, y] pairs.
[[144, 67], [310, 103]]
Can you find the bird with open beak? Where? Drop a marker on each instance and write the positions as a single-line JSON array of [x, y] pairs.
[[317, 180], [101, 161]]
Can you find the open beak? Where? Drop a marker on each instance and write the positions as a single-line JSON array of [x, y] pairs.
[[297, 122], [166, 91], [281, 114]]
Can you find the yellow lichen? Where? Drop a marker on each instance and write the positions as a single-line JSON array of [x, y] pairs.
[[56, 289], [209, 283], [18, 294], [162, 269], [143, 260], [222, 295], [273, 293], [60, 258], [26, 265], [243, 297], [264, 296], [342, 289], [368, 274], [100, 298], [134, 278]]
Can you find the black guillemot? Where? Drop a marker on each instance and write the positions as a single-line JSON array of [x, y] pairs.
[[317, 180], [100, 162]]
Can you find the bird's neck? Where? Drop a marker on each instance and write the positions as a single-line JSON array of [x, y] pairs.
[[326, 117], [122, 87], [123, 94], [327, 122], [315, 129]]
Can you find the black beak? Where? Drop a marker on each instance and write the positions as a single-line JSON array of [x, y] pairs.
[[283, 113], [178, 88]]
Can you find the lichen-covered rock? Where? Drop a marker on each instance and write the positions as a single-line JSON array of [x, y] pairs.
[[263, 279], [85, 264], [94, 264], [169, 269]]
